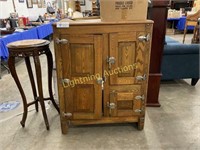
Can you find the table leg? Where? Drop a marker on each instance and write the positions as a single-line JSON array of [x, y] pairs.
[[11, 64], [30, 73], [40, 91], [50, 69]]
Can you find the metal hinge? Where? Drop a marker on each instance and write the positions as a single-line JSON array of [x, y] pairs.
[[141, 78], [61, 41], [68, 114], [65, 82], [138, 110], [140, 97], [145, 38]]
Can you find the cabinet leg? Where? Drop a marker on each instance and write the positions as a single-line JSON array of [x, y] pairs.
[[64, 126], [141, 123]]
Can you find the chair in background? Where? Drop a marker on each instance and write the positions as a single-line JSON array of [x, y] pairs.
[[191, 20], [195, 38]]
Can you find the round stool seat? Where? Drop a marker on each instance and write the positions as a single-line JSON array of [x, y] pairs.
[[27, 43], [32, 47]]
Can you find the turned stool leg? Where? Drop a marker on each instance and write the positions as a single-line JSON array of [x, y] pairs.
[[50, 69], [30, 73], [40, 91], [11, 64]]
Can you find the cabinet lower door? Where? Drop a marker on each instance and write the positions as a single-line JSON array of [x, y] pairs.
[[125, 103], [82, 74]]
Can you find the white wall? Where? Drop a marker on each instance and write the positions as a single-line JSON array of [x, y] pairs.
[[6, 7], [88, 5]]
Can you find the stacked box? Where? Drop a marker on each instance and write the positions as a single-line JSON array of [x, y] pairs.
[[123, 10]]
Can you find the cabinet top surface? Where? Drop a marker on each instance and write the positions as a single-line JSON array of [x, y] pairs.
[[99, 22]]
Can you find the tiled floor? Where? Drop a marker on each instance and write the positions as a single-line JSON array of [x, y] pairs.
[[173, 126]]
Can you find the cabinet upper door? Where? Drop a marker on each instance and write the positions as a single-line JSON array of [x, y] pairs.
[[127, 56], [82, 73]]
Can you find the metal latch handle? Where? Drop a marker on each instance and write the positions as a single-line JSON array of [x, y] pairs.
[[110, 61], [111, 105]]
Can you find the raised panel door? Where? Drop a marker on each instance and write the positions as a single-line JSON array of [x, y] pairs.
[[82, 59], [129, 58]]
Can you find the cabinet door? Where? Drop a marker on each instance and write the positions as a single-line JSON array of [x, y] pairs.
[[82, 71], [126, 102], [128, 71], [126, 58]]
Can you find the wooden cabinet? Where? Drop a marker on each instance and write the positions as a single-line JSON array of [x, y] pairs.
[[102, 71]]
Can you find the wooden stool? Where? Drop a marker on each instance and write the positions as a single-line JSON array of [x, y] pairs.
[[26, 49]]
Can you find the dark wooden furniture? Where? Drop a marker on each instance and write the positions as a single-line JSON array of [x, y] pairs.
[[26, 49], [102, 71], [157, 13]]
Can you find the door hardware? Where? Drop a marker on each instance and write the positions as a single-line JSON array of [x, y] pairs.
[[144, 38], [61, 41]]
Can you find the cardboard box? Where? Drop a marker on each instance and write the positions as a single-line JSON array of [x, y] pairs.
[[123, 10]]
